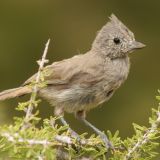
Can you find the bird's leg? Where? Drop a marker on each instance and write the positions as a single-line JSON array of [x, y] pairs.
[[58, 111], [81, 115], [103, 136], [73, 133]]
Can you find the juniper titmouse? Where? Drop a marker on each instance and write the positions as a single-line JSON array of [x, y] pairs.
[[80, 83]]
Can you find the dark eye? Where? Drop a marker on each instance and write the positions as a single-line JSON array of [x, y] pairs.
[[117, 40]]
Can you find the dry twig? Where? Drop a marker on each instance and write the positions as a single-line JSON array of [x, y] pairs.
[[35, 87]]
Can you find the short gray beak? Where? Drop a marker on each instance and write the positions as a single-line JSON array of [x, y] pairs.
[[137, 45]]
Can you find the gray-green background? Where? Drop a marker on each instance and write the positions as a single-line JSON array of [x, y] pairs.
[[26, 25]]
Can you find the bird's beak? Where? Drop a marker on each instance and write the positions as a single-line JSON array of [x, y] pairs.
[[137, 45]]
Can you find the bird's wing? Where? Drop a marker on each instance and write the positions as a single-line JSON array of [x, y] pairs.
[[68, 72], [50, 74]]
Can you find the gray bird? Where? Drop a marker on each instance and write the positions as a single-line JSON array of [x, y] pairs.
[[83, 82]]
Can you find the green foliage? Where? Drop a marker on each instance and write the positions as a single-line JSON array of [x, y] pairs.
[[33, 142], [51, 141]]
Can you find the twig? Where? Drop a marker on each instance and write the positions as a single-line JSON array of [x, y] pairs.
[[62, 140], [59, 141], [15, 139], [144, 139], [35, 87]]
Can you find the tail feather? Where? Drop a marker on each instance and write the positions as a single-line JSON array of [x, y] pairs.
[[15, 92]]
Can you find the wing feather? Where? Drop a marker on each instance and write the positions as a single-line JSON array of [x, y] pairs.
[[70, 71]]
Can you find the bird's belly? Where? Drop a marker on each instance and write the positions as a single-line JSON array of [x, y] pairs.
[[77, 98]]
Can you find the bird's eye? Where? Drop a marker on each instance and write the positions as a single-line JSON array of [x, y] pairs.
[[117, 40]]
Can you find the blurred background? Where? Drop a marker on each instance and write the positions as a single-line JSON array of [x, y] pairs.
[[71, 25]]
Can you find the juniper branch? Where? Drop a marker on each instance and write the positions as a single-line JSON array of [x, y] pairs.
[[61, 140], [145, 138], [35, 87]]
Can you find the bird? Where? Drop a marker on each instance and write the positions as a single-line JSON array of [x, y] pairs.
[[85, 81]]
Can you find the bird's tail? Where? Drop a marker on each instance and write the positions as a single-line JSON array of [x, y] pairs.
[[15, 92]]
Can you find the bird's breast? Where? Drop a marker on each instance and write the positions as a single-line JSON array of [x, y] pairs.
[[116, 73]]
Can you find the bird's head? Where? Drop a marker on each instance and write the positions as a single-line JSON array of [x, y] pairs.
[[115, 40]]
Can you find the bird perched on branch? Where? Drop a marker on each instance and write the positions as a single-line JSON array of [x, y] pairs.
[[83, 82]]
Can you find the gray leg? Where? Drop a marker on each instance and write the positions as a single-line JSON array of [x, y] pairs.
[[73, 133], [81, 116], [107, 143], [63, 121], [58, 111]]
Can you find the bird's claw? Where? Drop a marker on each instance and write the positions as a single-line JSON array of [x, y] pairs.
[[107, 143], [74, 135]]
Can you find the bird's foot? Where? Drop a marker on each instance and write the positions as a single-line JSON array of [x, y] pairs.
[[107, 143], [74, 135], [72, 132]]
